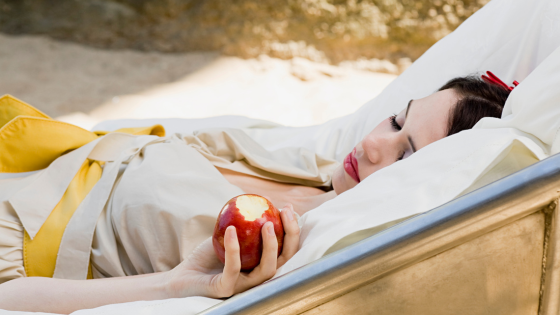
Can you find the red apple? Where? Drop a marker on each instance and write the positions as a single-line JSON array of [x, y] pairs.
[[247, 213]]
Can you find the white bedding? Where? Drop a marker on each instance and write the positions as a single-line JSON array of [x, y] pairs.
[[516, 39]]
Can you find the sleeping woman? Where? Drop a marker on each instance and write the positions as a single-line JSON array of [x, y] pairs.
[[151, 239]]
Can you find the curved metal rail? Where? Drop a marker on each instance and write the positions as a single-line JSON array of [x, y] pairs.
[[416, 239]]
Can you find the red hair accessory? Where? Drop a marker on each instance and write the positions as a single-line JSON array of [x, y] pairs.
[[493, 79]]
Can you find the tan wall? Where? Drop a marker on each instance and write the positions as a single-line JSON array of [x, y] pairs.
[[332, 30]]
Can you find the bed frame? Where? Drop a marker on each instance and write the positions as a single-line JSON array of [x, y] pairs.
[[493, 251]]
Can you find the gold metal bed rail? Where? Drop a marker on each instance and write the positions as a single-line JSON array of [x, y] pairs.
[[493, 251]]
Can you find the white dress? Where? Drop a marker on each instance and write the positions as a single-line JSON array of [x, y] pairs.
[[158, 198]]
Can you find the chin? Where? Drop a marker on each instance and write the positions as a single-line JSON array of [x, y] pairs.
[[341, 181]]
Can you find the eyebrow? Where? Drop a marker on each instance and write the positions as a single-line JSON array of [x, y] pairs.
[[410, 138], [407, 108], [411, 144]]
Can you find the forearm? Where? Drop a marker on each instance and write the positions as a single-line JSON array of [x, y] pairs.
[[65, 296]]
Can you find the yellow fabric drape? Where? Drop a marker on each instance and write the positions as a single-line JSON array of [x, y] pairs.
[[32, 143], [155, 130], [11, 107], [34, 140], [29, 141], [39, 254]]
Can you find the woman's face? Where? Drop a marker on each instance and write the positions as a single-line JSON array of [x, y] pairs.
[[395, 138]]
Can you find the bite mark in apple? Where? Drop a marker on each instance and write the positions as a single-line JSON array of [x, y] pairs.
[[251, 207]]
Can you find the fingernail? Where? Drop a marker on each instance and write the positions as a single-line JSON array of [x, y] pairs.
[[290, 214], [232, 233], [270, 229]]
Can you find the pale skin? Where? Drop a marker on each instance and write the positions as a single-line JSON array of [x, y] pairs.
[[202, 274]]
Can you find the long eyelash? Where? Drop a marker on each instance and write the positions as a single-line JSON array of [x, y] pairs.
[[395, 125], [394, 122]]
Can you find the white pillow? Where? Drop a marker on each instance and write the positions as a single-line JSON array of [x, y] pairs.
[[444, 169]]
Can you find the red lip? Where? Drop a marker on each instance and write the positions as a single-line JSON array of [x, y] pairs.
[[351, 166]]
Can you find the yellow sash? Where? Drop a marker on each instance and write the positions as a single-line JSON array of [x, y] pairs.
[[29, 141]]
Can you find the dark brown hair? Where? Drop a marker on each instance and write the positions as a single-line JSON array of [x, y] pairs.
[[477, 99]]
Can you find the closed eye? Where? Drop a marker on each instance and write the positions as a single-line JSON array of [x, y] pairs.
[[394, 123]]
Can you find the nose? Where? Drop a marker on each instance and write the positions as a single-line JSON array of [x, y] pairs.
[[377, 146]]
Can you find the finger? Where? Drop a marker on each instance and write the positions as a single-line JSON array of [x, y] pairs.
[[291, 239], [267, 267], [232, 267]]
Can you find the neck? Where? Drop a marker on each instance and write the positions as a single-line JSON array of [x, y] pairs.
[[304, 203], [303, 198]]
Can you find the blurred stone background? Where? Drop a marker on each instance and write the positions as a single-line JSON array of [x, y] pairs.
[[320, 30], [157, 39]]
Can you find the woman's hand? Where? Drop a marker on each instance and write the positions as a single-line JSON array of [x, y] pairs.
[[202, 273]]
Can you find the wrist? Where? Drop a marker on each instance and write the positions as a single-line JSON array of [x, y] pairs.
[[165, 285], [179, 284]]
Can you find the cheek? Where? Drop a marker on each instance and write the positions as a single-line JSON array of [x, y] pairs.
[[370, 169], [384, 126], [367, 171]]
